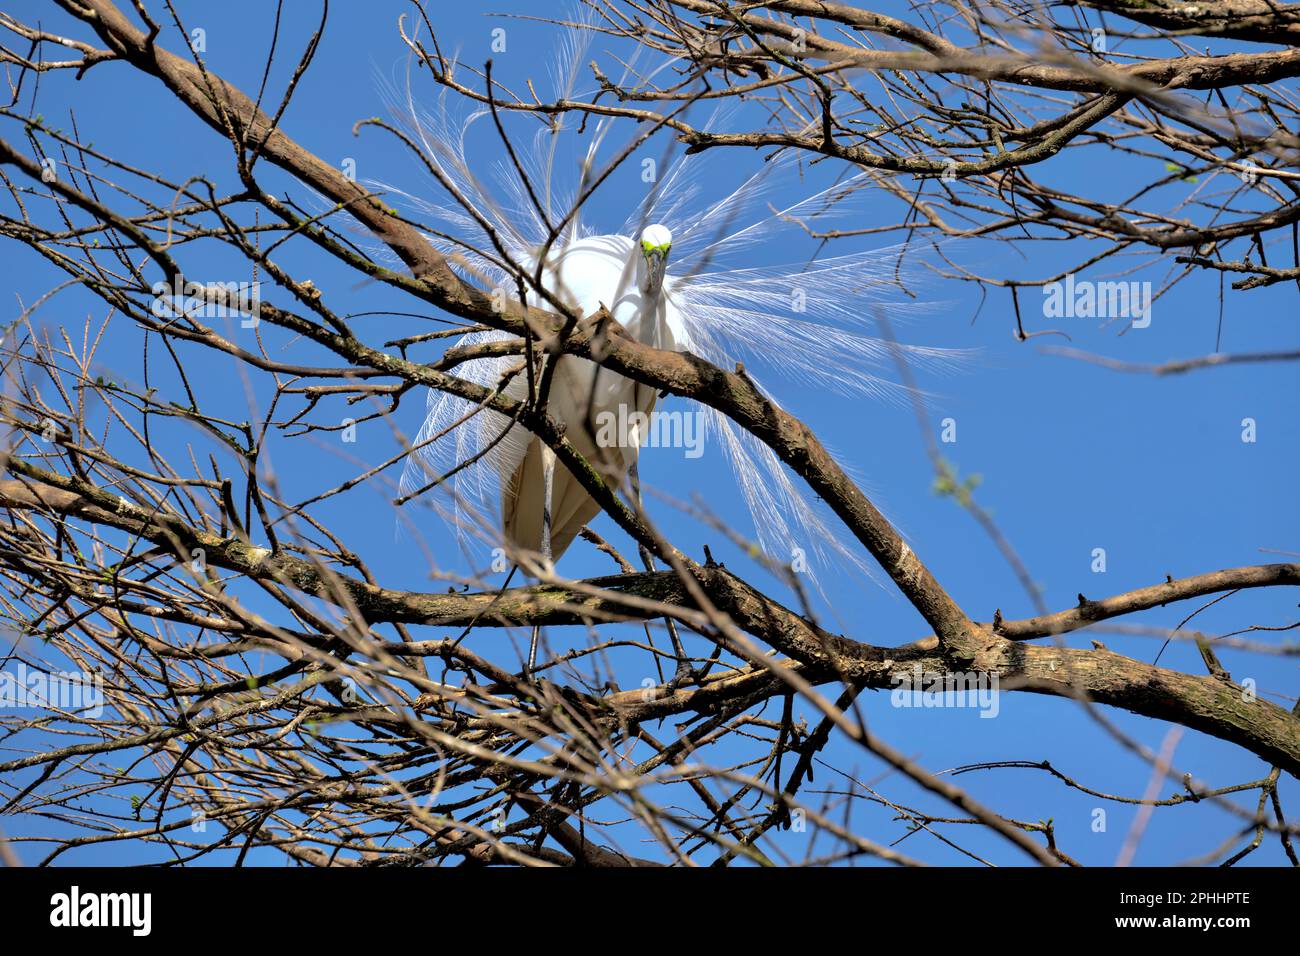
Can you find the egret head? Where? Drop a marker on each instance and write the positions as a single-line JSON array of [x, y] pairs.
[[656, 240]]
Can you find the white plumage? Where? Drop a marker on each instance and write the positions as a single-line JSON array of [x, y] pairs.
[[807, 322], [599, 270]]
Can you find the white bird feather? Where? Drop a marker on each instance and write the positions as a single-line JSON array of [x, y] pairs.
[[806, 322]]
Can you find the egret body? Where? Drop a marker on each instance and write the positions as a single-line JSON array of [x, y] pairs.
[[807, 323], [544, 507]]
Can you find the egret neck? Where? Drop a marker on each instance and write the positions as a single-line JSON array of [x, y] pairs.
[[656, 242]]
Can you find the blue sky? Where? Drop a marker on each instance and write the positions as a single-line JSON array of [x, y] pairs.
[[1073, 457]]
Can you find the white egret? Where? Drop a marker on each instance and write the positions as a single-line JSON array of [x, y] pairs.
[[544, 508], [807, 322]]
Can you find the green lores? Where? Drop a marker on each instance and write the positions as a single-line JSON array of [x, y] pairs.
[[650, 249]]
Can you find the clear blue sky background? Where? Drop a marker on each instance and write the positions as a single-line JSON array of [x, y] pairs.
[[1073, 457]]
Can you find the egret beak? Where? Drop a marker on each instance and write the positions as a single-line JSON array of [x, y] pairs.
[[656, 262]]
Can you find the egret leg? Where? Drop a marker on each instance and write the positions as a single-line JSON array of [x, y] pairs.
[[548, 487], [532, 651], [684, 670], [548, 490]]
